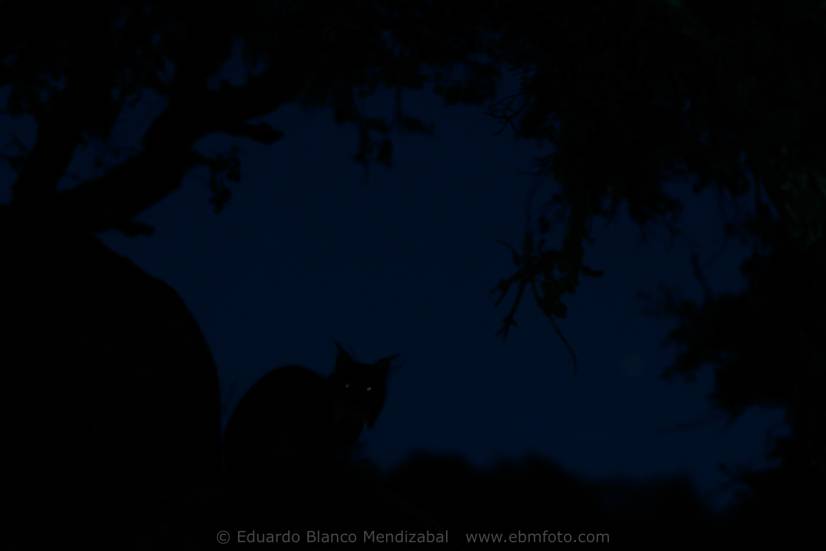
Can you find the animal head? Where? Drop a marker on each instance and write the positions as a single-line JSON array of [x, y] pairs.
[[360, 388]]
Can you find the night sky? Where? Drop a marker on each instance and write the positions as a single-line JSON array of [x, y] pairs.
[[313, 248]]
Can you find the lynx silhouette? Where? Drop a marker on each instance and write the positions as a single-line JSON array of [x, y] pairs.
[[295, 419], [289, 449]]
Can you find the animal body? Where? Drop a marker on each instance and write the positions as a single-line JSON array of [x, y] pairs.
[[294, 418], [289, 451]]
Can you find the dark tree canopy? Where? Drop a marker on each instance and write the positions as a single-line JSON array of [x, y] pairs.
[[629, 97]]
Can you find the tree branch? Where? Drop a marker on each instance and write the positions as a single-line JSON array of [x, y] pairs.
[[58, 135], [141, 181]]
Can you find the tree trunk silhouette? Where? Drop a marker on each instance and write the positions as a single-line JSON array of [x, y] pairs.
[[112, 407]]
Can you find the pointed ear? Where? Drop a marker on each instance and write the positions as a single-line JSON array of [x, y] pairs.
[[387, 362], [342, 356]]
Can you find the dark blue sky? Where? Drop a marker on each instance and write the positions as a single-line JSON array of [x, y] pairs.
[[309, 250]]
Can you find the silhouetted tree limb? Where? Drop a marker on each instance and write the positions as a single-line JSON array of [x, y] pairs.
[[139, 182], [58, 137]]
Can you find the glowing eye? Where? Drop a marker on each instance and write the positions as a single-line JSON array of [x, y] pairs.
[[369, 388]]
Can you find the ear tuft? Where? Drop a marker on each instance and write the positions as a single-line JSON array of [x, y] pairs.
[[387, 362], [343, 357]]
